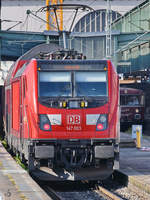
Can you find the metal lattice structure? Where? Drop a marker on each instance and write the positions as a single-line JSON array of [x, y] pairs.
[[53, 15], [108, 30], [136, 51]]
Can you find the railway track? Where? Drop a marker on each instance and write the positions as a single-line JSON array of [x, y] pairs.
[[108, 194], [100, 193], [52, 193]]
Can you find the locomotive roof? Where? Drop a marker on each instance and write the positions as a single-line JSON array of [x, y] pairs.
[[67, 61], [45, 49], [42, 48], [73, 64], [32, 53]]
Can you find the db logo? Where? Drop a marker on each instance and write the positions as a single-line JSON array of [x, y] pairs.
[[73, 119]]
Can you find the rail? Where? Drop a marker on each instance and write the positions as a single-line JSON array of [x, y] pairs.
[[52, 193], [102, 191]]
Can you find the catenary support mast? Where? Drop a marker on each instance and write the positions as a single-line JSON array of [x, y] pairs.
[[51, 15], [108, 30]]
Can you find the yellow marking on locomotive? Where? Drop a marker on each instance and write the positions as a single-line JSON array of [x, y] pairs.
[[82, 104], [64, 104]]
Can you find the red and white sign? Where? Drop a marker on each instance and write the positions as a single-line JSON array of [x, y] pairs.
[[73, 119]]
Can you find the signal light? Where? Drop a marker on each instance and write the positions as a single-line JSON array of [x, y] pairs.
[[45, 124], [101, 124], [46, 127], [100, 127], [82, 104], [137, 110], [63, 104]]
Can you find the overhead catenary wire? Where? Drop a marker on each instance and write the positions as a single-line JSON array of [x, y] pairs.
[[83, 45], [25, 23], [43, 9], [36, 16], [29, 12]]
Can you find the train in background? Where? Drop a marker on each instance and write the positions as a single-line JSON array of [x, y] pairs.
[[132, 103], [62, 113]]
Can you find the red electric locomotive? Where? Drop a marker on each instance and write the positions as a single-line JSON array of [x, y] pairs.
[[63, 114]]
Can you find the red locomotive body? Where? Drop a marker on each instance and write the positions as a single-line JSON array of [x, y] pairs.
[[63, 114], [132, 107]]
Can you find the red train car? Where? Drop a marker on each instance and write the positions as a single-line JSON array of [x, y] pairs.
[[132, 107], [63, 114]]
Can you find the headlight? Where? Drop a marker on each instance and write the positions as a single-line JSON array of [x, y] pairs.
[[63, 104], [45, 124], [101, 124], [103, 118], [84, 104], [136, 110]]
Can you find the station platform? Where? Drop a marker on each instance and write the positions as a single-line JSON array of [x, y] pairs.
[[15, 182], [135, 163]]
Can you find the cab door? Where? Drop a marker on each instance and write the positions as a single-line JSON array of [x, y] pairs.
[[7, 109], [21, 111], [16, 107], [22, 108]]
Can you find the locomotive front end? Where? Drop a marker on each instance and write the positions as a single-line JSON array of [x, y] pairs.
[[78, 116]]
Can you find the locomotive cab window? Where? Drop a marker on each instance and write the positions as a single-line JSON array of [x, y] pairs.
[[55, 84], [91, 84], [131, 100], [73, 84]]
